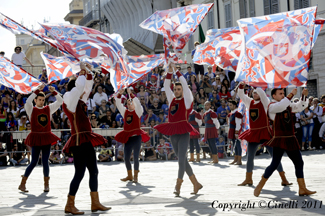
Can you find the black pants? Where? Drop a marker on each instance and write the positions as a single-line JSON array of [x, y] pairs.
[[194, 143], [134, 143], [316, 140], [36, 150], [84, 156], [295, 156]]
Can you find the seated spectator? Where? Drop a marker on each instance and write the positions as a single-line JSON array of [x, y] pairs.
[[3, 155], [156, 107], [105, 155], [152, 85], [201, 105], [149, 152], [214, 99], [43, 76], [152, 97], [91, 106], [11, 122], [119, 120], [109, 89], [149, 117], [163, 97], [224, 93], [103, 109], [55, 156], [3, 117], [193, 84], [22, 123], [144, 105], [217, 84], [113, 108], [13, 109], [143, 94], [189, 73], [221, 73], [222, 112], [200, 94], [63, 82], [226, 83], [165, 107], [93, 121], [100, 96], [17, 157], [161, 117], [206, 84], [107, 119], [69, 158], [120, 154], [210, 73]]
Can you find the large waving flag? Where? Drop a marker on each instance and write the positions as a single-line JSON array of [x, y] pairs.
[[176, 25], [59, 68], [276, 48], [138, 66], [17, 28], [221, 47], [85, 42], [16, 78]]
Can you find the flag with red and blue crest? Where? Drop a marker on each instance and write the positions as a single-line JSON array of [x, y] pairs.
[[245, 124]]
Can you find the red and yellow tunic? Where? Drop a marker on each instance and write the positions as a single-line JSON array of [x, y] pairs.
[[259, 131], [177, 119], [191, 120], [131, 128], [41, 134], [80, 128], [210, 128]]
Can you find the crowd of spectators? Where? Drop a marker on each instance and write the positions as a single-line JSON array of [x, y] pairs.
[[216, 86]]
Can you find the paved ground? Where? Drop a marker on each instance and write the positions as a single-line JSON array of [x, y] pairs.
[[154, 195]]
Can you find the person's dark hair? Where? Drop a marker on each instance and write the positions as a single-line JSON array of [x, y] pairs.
[[189, 67], [7, 92], [18, 47], [15, 107], [273, 91], [225, 80], [178, 84], [40, 94], [12, 116], [71, 84], [233, 102], [225, 87], [323, 96], [2, 53], [196, 43]]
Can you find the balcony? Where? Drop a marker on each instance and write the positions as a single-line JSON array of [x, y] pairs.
[[90, 19]]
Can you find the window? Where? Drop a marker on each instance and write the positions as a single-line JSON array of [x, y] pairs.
[[228, 15], [211, 19], [22, 42], [271, 7], [252, 8], [243, 8], [299, 4]]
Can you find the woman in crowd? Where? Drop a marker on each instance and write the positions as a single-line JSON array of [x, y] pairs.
[[55, 156], [224, 93], [3, 117], [6, 100], [20, 101], [103, 109], [163, 97], [93, 121], [149, 152], [217, 84], [307, 123], [13, 109], [11, 122], [226, 83], [193, 84], [152, 97], [200, 94], [143, 93]]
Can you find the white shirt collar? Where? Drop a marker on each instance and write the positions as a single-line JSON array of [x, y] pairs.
[[235, 110]]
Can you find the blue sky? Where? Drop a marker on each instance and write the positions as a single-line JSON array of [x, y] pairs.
[[31, 12]]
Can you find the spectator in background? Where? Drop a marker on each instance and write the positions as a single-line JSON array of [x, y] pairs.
[[165, 108], [100, 96], [210, 73], [91, 106], [221, 73], [225, 82], [152, 85], [113, 107], [95, 85], [20, 101], [63, 82], [18, 57], [206, 84], [317, 119], [149, 152], [150, 117], [156, 107], [189, 74], [6, 100], [102, 109], [93, 121], [154, 96], [105, 155], [119, 120], [214, 99], [3, 155], [2, 54], [109, 87], [144, 94], [200, 94], [161, 117], [43, 76], [17, 157], [107, 119], [193, 84], [198, 69], [11, 122], [224, 93], [13, 109], [307, 123], [163, 97], [222, 112], [217, 84], [3, 117], [55, 156]]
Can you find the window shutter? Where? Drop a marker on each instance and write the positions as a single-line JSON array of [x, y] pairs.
[[211, 19], [242, 8], [228, 15], [305, 3], [267, 7], [252, 8], [275, 6], [297, 4]]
